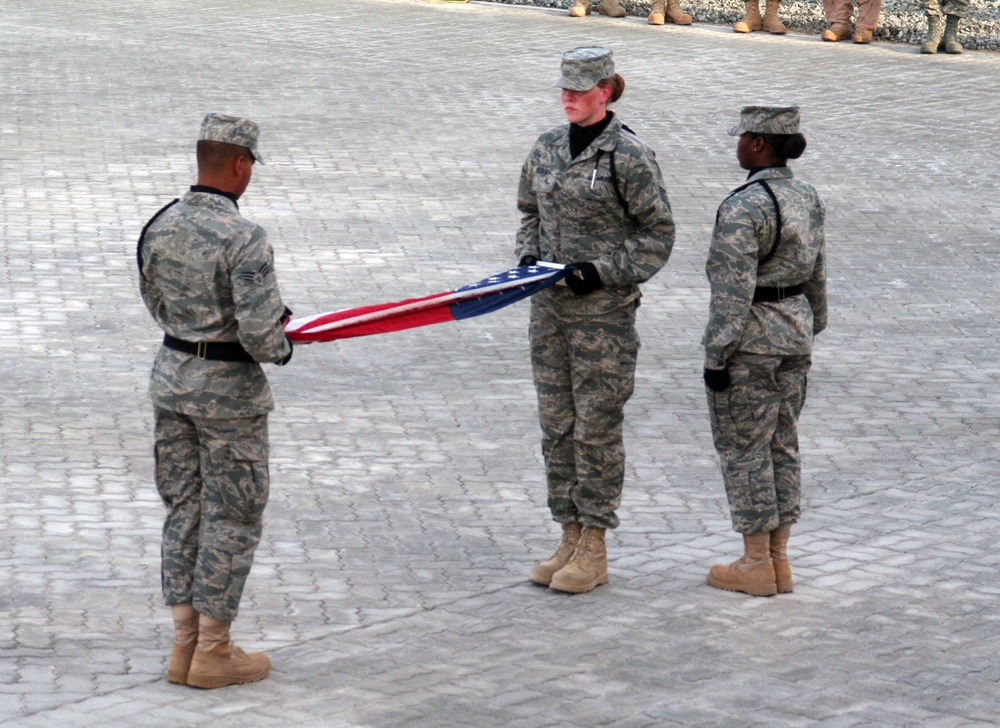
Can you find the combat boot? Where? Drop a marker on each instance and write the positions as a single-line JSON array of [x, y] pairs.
[[753, 573], [579, 8], [951, 44], [542, 573], [657, 12], [934, 31], [675, 14], [185, 640], [779, 559], [836, 33], [751, 18], [217, 662], [588, 568], [771, 22], [611, 8]]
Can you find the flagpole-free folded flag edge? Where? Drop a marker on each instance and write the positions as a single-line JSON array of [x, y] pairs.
[[485, 296]]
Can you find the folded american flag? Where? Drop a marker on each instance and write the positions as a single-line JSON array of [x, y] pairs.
[[476, 299]]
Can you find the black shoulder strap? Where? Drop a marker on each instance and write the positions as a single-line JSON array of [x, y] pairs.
[[777, 210], [142, 235]]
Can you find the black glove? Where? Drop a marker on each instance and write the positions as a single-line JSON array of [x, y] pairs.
[[285, 317], [528, 260], [583, 278], [717, 379], [291, 350]]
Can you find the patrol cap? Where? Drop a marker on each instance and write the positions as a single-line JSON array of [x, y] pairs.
[[767, 120], [232, 130], [583, 67]]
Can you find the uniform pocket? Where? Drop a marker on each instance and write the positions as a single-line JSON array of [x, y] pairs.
[[246, 490]]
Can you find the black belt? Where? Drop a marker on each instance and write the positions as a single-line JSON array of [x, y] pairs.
[[215, 350], [773, 295]]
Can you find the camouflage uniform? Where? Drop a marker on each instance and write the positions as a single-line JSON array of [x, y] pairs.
[[939, 8], [583, 348], [765, 345], [207, 275]]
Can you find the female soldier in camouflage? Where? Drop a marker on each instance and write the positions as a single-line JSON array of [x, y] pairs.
[[591, 195], [766, 268]]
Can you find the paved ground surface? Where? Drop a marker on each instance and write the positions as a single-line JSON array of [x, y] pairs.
[[407, 503]]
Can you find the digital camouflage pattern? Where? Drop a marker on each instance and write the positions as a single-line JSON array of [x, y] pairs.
[[212, 475], [767, 120], [755, 429], [582, 68], [208, 275], [584, 348], [232, 130], [938, 8], [765, 346], [744, 233]]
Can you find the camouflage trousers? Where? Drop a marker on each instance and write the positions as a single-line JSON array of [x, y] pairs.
[[755, 428], [212, 475], [584, 374], [937, 8]]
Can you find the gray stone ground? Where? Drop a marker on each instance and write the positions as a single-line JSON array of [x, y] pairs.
[[407, 503]]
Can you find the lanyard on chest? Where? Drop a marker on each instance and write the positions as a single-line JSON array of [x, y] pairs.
[[777, 211]]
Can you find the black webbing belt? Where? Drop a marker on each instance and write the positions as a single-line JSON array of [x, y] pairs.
[[214, 350], [774, 295]]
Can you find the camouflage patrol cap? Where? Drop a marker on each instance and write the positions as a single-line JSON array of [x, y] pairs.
[[767, 120], [232, 130], [583, 67]]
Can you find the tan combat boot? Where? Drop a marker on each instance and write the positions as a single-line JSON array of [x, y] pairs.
[[185, 639], [542, 573], [657, 12], [836, 33], [611, 8], [951, 44], [579, 8], [753, 573], [588, 568], [863, 36], [771, 23], [779, 558], [675, 14], [217, 662], [934, 31], [751, 18]]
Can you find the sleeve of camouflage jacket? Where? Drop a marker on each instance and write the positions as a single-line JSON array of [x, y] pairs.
[[527, 205], [647, 247], [258, 306], [815, 290], [732, 273]]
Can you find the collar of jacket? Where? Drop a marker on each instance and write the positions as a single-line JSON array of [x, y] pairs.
[[605, 142], [771, 173], [210, 197]]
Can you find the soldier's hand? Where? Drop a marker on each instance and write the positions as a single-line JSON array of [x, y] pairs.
[[528, 260], [717, 379], [583, 278]]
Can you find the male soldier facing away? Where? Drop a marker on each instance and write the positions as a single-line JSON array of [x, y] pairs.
[[207, 277]]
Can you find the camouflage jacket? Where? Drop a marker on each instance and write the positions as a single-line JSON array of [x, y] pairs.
[[571, 212], [208, 275], [744, 234]]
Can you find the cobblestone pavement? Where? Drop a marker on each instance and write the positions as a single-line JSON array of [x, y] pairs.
[[407, 500]]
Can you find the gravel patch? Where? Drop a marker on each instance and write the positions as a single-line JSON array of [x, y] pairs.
[[900, 22]]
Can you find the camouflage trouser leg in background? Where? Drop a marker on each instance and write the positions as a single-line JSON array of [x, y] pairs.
[[584, 374], [212, 476], [755, 428], [938, 8]]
